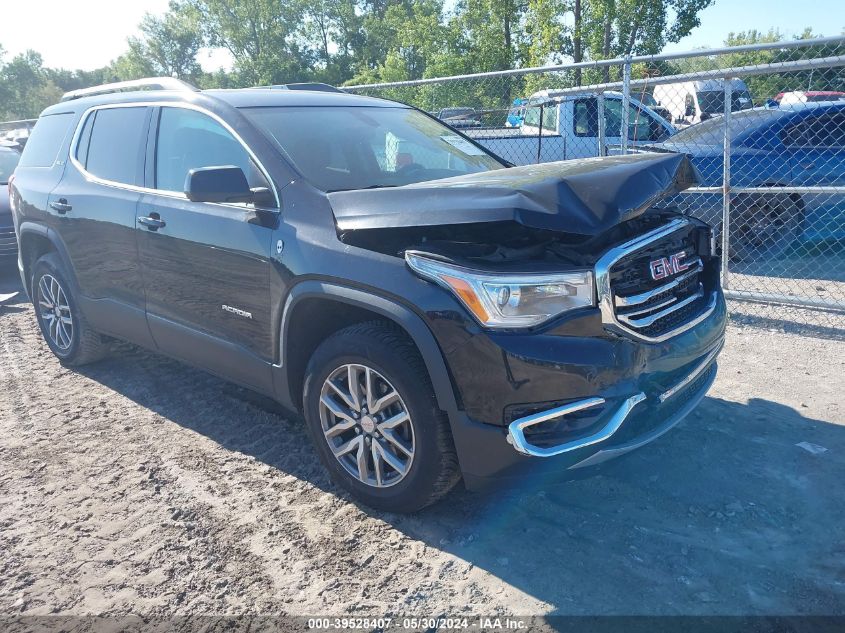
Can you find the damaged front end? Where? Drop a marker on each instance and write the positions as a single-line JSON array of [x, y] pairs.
[[592, 317], [547, 212], [521, 246]]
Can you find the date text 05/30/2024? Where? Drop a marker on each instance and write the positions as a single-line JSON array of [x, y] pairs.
[[418, 623]]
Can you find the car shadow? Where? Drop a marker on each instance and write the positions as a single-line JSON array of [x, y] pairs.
[[726, 514]]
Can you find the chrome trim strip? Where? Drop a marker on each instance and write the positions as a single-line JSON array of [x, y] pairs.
[[611, 453], [516, 435], [695, 373], [651, 319], [633, 300], [648, 309], [161, 192], [605, 294]]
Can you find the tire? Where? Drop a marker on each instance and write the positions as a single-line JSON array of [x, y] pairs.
[[383, 354], [764, 226], [71, 339]]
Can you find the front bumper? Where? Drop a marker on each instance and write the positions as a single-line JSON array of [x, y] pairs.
[[523, 383], [611, 422]]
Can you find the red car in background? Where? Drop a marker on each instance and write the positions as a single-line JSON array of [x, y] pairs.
[[809, 96]]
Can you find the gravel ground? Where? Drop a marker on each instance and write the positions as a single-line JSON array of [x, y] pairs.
[[138, 485]]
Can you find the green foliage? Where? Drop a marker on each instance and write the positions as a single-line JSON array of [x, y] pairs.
[[26, 87], [168, 46], [349, 42]]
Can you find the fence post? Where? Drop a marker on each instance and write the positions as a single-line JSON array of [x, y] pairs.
[[540, 133], [602, 135], [726, 182], [626, 102]]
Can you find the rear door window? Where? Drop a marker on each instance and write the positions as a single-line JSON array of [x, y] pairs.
[[824, 131], [116, 147], [45, 141]]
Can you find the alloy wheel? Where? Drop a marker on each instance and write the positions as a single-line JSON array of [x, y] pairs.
[[55, 312], [765, 228], [367, 425]]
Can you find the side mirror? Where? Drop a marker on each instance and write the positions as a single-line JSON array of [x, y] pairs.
[[218, 184]]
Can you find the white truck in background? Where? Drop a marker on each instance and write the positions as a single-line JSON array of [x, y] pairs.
[[570, 128], [691, 102]]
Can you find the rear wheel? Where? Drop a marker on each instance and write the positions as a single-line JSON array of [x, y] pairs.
[[374, 420], [61, 321], [764, 226]]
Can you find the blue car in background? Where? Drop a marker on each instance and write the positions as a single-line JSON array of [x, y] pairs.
[[797, 145]]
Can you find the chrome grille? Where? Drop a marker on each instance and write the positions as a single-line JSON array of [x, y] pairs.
[[631, 300]]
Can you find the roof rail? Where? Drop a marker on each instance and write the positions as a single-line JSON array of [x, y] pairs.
[[151, 83], [315, 86]]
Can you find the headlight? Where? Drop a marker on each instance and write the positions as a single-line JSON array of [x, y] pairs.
[[509, 300]]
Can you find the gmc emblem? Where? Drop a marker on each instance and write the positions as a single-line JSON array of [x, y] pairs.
[[668, 266]]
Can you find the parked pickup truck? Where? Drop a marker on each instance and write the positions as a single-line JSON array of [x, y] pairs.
[[570, 128], [433, 313]]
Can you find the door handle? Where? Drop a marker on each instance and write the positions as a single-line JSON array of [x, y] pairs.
[[152, 223], [61, 206], [807, 165]]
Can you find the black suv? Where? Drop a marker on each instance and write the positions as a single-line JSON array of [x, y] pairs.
[[9, 157], [433, 312]]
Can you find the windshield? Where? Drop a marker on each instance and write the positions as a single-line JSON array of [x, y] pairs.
[[8, 161], [713, 101], [340, 148]]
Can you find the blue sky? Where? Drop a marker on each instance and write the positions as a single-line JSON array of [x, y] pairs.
[[99, 28], [825, 17]]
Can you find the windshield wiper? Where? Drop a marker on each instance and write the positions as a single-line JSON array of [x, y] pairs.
[[362, 188]]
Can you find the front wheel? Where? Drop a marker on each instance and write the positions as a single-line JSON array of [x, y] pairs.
[[374, 420], [764, 226]]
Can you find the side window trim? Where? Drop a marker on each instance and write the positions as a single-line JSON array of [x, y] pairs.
[[157, 105], [150, 154], [85, 138]]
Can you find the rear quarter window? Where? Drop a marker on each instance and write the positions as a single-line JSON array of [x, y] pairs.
[[117, 143], [45, 141]]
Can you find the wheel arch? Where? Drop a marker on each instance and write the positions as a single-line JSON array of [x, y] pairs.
[[359, 305], [37, 240]]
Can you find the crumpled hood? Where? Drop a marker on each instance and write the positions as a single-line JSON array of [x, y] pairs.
[[585, 196]]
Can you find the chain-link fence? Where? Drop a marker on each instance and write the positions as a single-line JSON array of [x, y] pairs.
[[764, 126]]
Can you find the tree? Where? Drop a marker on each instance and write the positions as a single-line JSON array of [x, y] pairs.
[[261, 35], [332, 31], [168, 45], [27, 87], [614, 28]]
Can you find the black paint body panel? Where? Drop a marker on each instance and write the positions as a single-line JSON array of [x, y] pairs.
[[166, 288]]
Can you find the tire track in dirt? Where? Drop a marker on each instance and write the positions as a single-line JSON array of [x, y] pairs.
[[139, 485], [185, 496]]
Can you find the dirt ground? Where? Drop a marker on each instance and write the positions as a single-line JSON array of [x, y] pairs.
[[140, 485]]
